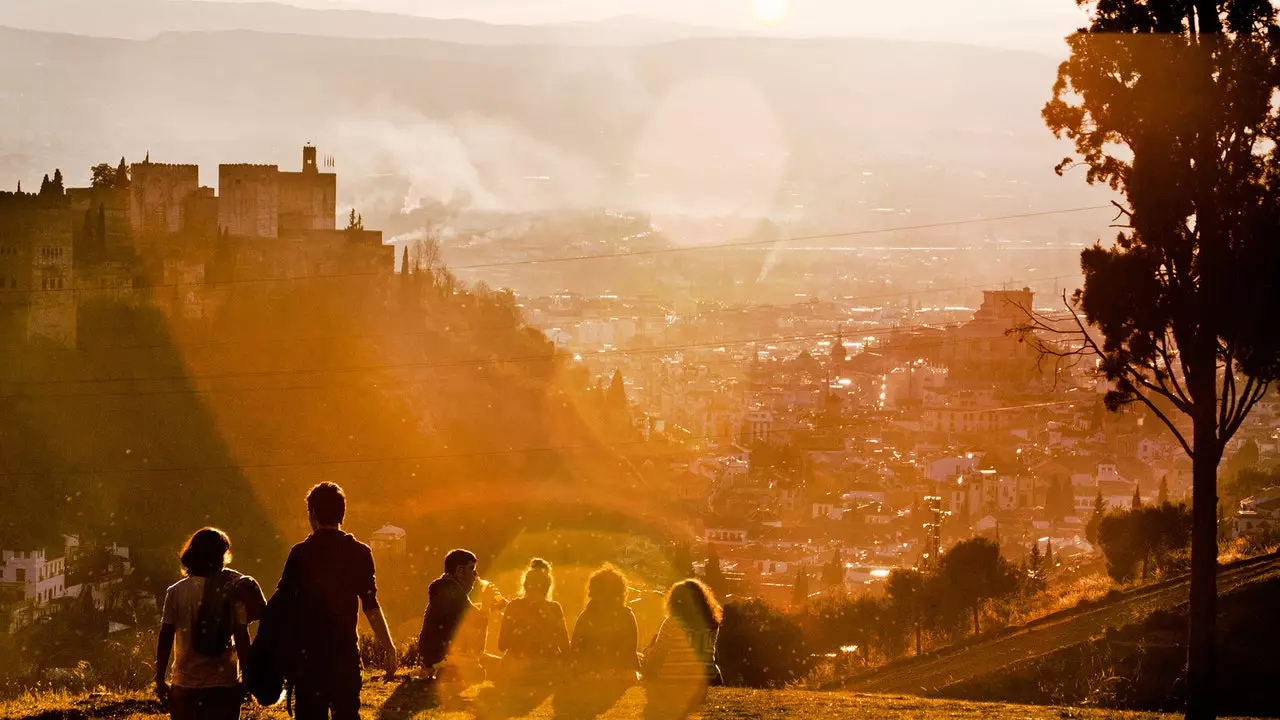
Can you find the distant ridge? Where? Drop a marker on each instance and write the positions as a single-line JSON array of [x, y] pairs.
[[144, 19]]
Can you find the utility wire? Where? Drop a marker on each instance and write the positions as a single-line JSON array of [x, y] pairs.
[[461, 455], [477, 362], [600, 256]]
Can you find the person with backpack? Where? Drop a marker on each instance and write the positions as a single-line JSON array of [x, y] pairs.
[[680, 663], [204, 626], [326, 580]]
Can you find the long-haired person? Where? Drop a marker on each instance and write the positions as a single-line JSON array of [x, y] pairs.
[[533, 636], [603, 661], [204, 627], [680, 663]]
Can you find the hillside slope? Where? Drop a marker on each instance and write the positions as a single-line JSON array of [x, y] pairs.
[[408, 701], [938, 673]]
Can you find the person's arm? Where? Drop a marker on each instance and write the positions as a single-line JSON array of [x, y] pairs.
[[373, 612], [164, 647], [164, 644], [241, 635], [633, 642], [507, 629], [656, 654], [383, 633], [562, 631]]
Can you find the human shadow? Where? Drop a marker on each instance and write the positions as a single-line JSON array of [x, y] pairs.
[[411, 696], [505, 700], [673, 700], [589, 699]]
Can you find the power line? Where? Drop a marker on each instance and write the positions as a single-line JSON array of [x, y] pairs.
[[730, 309], [428, 365], [636, 253], [460, 455]]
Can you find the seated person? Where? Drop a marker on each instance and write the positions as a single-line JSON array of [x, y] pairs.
[[533, 635], [454, 629], [602, 656], [680, 663]]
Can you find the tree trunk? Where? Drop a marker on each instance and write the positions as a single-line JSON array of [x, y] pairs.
[[975, 618], [917, 639], [1201, 663]]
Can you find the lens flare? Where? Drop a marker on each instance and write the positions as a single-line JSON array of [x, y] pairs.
[[771, 11]]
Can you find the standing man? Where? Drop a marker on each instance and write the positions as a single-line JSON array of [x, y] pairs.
[[325, 579]]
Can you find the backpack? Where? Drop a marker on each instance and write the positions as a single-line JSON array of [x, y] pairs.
[[211, 635]]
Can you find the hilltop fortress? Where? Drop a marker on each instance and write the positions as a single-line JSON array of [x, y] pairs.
[[149, 232]]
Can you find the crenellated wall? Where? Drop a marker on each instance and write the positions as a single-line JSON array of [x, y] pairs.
[[249, 200], [157, 192]]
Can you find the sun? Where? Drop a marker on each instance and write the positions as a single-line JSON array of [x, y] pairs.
[[771, 11]]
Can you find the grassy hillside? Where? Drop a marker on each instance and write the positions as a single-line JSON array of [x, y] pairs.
[[408, 701]]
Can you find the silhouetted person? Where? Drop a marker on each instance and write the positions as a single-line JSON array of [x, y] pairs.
[[454, 629], [533, 635], [204, 614], [680, 663], [602, 656], [326, 579]]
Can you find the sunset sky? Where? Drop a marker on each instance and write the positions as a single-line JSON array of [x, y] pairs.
[[1038, 24]]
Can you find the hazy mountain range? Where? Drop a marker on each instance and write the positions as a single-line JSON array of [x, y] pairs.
[[143, 19], [822, 132]]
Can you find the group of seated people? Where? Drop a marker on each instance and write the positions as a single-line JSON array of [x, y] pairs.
[[306, 648], [538, 654]]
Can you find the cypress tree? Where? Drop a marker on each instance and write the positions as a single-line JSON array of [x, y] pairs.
[[800, 591]]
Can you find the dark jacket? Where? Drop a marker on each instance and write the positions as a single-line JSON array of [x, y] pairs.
[[451, 619], [326, 580], [605, 639]]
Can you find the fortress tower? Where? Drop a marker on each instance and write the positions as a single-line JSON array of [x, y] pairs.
[[262, 201], [157, 192], [308, 199], [249, 200]]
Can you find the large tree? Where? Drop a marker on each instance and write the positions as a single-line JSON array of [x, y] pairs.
[[1170, 102], [974, 572]]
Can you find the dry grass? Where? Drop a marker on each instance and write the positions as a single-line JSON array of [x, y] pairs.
[[1062, 595], [411, 700], [1243, 548]]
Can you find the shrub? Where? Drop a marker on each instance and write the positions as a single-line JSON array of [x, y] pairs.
[[760, 646]]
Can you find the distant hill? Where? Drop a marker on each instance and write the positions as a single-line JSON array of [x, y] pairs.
[[840, 132], [143, 19]]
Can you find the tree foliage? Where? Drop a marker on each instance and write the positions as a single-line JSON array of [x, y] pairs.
[[1172, 103], [102, 175], [974, 572], [760, 646], [1146, 536]]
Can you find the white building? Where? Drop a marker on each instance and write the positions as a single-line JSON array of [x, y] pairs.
[[31, 576], [389, 540]]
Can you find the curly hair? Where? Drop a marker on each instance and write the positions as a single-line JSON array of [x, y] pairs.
[[607, 585], [694, 605]]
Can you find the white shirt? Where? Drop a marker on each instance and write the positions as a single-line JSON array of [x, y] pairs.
[[190, 668]]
